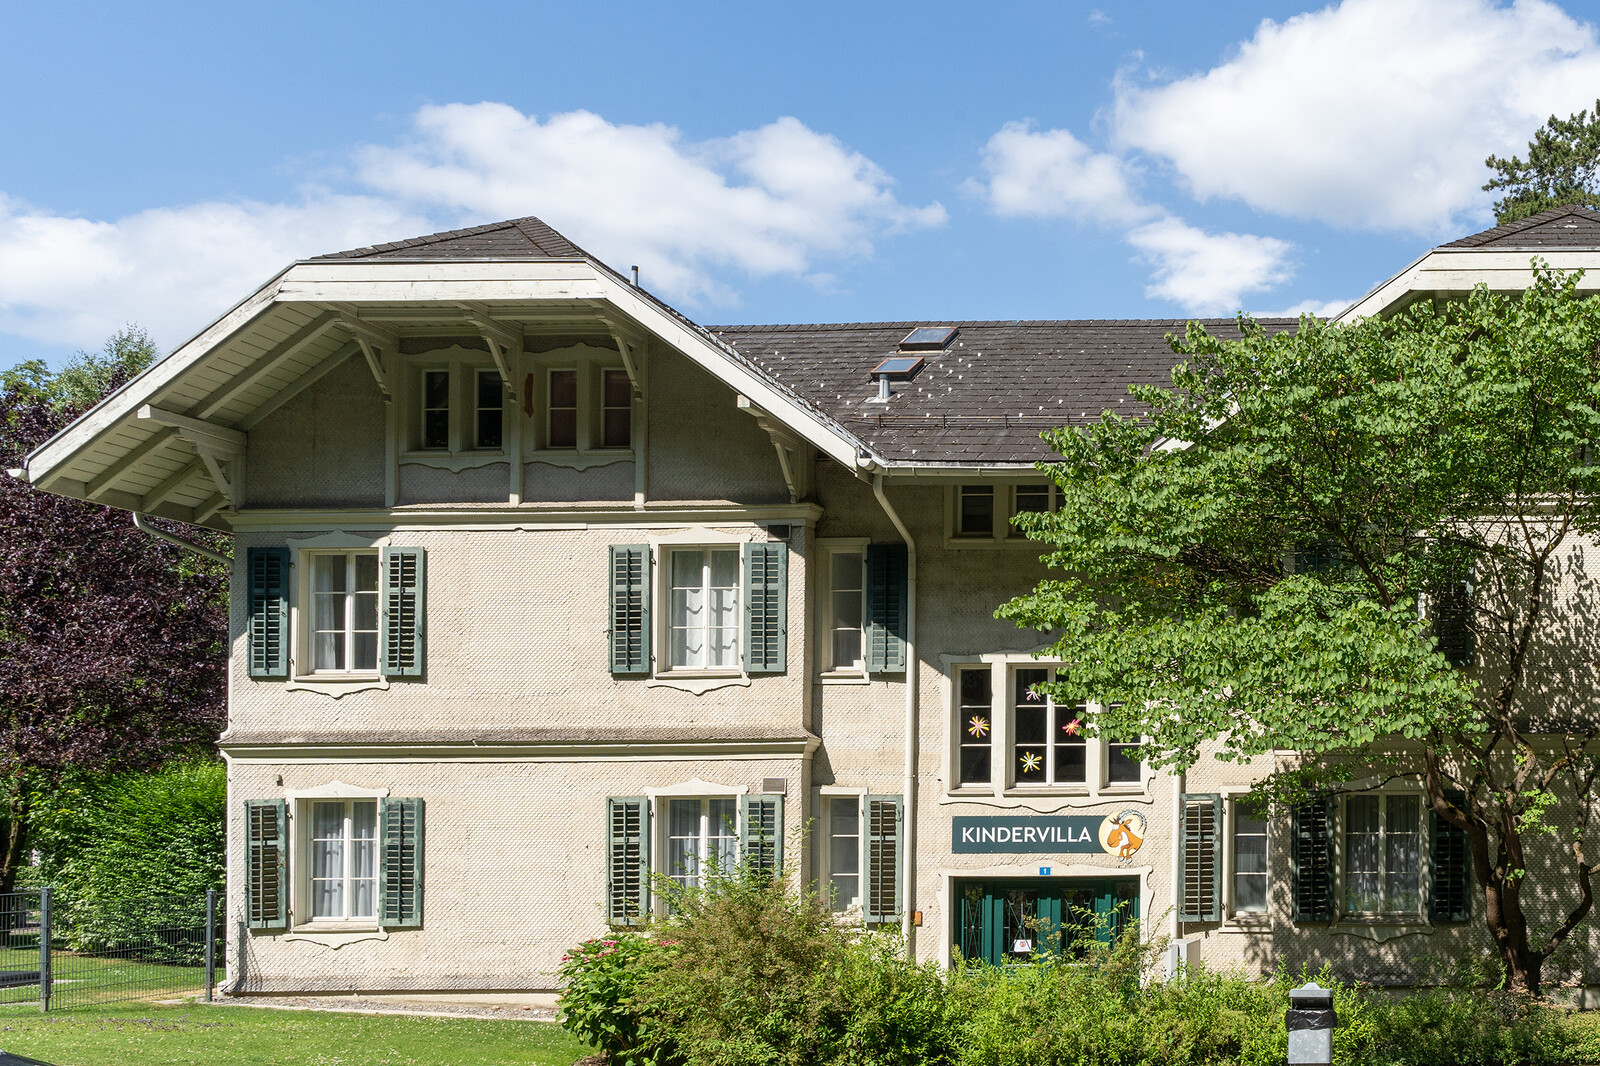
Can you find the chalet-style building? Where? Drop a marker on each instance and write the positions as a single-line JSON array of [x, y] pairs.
[[541, 589]]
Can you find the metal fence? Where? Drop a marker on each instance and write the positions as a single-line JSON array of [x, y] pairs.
[[61, 952]]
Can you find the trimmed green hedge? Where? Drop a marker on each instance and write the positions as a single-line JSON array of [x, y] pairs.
[[751, 973]]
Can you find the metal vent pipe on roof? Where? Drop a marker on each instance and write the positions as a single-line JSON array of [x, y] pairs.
[[636, 275]]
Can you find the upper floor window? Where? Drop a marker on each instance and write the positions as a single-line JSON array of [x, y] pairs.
[[459, 408], [844, 609], [1002, 721], [344, 612], [582, 406], [562, 419], [704, 608], [1047, 737], [988, 513], [616, 409]]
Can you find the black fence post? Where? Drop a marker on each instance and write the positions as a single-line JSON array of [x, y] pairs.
[[44, 949], [211, 941]]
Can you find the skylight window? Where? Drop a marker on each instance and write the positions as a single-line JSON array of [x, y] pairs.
[[898, 366], [927, 339]]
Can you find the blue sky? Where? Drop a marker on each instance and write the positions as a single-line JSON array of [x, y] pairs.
[[816, 162]]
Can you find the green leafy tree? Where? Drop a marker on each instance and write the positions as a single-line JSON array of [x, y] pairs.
[[1288, 551], [1562, 168]]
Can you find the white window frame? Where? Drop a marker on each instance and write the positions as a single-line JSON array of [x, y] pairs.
[[827, 621], [1231, 816], [477, 377], [662, 844], [1012, 765], [664, 627], [1002, 745], [463, 369], [1001, 530], [828, 795], [307, 881], [1385, 913], [589, 365], [305, 614]]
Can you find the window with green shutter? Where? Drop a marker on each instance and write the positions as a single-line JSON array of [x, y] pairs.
[[402, 596], [1450, 895], [400, 863], [885, 859], [266, 871], [761, 836], [886, 608], [1200, 843], [766, 601], [627, 859], [1311, 860], [268, 575], [630, 609]]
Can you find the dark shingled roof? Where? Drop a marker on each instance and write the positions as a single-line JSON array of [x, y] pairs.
[[987, 396], [517, 238], [1559, 227]]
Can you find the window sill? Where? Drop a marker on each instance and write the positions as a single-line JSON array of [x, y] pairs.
[[335, 935], [1047, 790], [1246, 924], [698, 683], [454, 461], [328, 925], [844, 677], [337, 685], [1120, 789]]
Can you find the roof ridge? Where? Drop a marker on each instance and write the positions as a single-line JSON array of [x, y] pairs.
[[785, 327], [1511, 229], [540, 234]]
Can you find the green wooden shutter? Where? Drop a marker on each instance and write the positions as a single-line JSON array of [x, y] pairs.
[[627, 859], [885, 858], [1450, 895], [766, 602], [761, 833], [630, 608], [269, 611], [886, 608], [1200, 843], [1311, 860], [400, 863], [401, 621], [266, 872]]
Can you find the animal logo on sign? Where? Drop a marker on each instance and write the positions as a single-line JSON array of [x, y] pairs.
[[1122, 834]]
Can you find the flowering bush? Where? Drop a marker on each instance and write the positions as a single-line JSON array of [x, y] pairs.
[[599, 977]]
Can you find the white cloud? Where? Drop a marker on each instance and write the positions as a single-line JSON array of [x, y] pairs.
[[1051, 174], [1373, 113], [172, 270], [781, 199], [1319, 308], [1209, 273], [772, 200]]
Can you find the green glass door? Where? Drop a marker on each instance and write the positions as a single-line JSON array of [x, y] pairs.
[[1007, 922]]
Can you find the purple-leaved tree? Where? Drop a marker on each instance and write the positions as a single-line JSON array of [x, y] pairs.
[[112, 643]]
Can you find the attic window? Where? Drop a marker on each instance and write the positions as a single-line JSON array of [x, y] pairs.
[[927, 339]]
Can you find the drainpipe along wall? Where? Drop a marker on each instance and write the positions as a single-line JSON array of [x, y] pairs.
[[910, 786]]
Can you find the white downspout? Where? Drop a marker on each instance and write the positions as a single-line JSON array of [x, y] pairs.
[[909, 790], [1179, 784]]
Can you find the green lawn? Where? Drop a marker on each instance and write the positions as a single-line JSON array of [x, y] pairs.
[[209, 1035], [83, 980]]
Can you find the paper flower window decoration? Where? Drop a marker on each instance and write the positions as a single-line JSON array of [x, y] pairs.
[[978, 726], [1073, 728], [1031, 761]]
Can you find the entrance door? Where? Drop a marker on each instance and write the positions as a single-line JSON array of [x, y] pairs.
[[1005, 922]]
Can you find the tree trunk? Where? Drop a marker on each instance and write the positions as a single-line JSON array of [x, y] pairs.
[[14, 848]]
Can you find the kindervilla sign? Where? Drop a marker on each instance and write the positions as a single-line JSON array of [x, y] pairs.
[[1119, 834]]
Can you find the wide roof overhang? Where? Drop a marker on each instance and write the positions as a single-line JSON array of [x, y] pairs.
[[169, 441]]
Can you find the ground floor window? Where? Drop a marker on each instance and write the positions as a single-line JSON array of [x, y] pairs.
[[1383, 854], [702, 835], [844, 852], [344, 859], [1249, 862], [1009, 922]]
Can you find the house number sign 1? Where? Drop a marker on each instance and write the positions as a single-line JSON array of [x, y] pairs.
[[1119, 834]]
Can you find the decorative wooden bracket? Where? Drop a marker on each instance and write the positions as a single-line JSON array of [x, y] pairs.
[[503, 338], [794, 454], [626, 341], [373, 339], [215, 445]]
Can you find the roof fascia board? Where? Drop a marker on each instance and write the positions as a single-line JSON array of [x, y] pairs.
[[1463, 269], [500, 282], [146, 388]]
